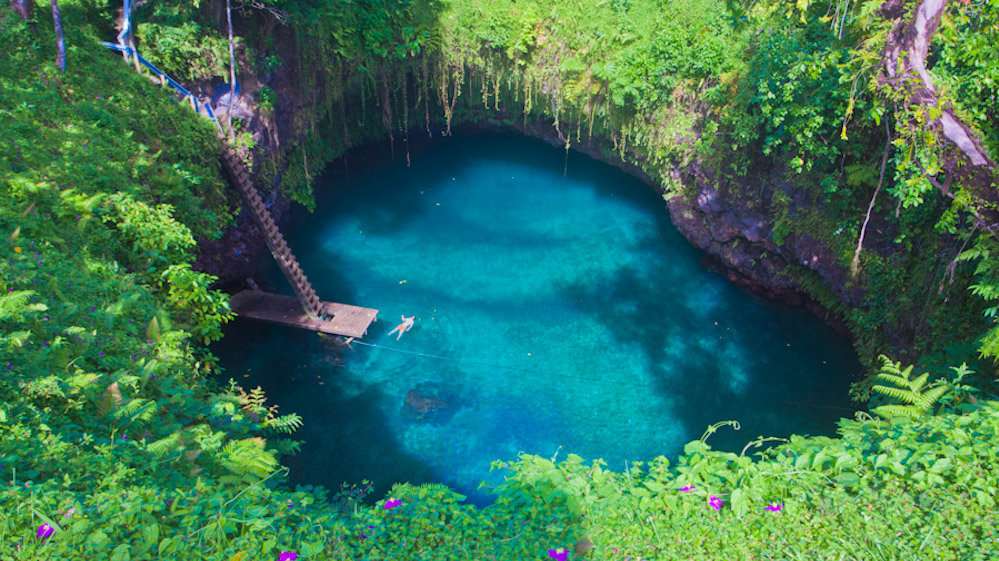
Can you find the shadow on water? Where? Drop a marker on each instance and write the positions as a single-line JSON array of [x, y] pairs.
[[346, 436], [698, 377]]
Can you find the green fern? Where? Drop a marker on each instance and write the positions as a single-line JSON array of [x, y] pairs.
[[286, 424], [137, 409], [82, 381], [915, 397], [248, 457], [166, 445], [14, 305], [14, 339]]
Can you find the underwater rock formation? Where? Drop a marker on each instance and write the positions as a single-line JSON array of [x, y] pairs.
[[430, 402]]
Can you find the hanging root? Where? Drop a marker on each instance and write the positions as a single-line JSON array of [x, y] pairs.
[[855, 265]]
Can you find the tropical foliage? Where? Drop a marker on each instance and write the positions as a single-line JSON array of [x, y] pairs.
[[118, 440]]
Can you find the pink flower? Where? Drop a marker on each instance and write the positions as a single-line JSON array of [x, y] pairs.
[[558, 554], [287, 556], [687, 488], [45, 530], [774, 507], [715, 503], [392, 503]]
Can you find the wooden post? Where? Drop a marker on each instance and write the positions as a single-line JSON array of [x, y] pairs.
[[232, 70]]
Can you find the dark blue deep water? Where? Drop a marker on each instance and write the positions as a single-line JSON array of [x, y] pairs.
[[554, 313]]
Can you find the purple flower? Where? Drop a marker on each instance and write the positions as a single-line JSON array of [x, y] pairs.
[[45, 530], [392, 503], [688, 488], [715, 503], [774, 507], [287, 556], [558, 554]]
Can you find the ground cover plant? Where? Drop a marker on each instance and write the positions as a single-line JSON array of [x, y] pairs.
[[116, 442]]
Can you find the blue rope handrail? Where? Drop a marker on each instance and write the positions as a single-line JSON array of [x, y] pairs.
[[163, 75], [184, 92], [126, 27]]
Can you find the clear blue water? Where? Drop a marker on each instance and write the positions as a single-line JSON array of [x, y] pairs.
[[554, 313]]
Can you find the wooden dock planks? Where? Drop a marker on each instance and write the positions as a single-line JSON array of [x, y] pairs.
[[348, 321]]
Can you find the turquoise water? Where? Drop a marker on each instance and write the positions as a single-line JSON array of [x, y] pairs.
[[554, 314]]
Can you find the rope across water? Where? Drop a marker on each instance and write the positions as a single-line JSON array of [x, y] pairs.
[[547, 372]]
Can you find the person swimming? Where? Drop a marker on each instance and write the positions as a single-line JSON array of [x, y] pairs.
[[406, 325]]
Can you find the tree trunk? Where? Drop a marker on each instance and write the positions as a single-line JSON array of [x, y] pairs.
[[904, 70], [232, 69], [24, 8], [60, 39]]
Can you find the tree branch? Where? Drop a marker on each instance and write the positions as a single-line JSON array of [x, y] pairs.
[[60, 38]]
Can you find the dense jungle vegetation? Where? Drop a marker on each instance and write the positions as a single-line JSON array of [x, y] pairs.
[[865, 128]]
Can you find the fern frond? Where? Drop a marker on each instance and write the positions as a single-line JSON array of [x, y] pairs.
[[248, 457], [110, 400], [13, 305], [231, 480], [166, 445], [899, 381], [137, 409], [889, 366], [909, 391], [900, 394], [931, 396], [917, 384], [286, 424], [895, 411], [255, 398], [15, 338], [81, 382]]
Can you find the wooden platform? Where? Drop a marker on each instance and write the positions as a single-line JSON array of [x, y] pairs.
[[348, 321]]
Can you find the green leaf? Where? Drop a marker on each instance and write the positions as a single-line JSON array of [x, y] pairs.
[[740, 504], [121, 553], [941, 465], [847, 478]]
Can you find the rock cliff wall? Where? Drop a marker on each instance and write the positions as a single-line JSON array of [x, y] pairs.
[[736, 234]]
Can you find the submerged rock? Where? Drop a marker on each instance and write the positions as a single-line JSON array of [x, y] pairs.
[[430, 402]]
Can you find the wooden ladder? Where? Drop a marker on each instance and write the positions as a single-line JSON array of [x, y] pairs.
[[275, 241]]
